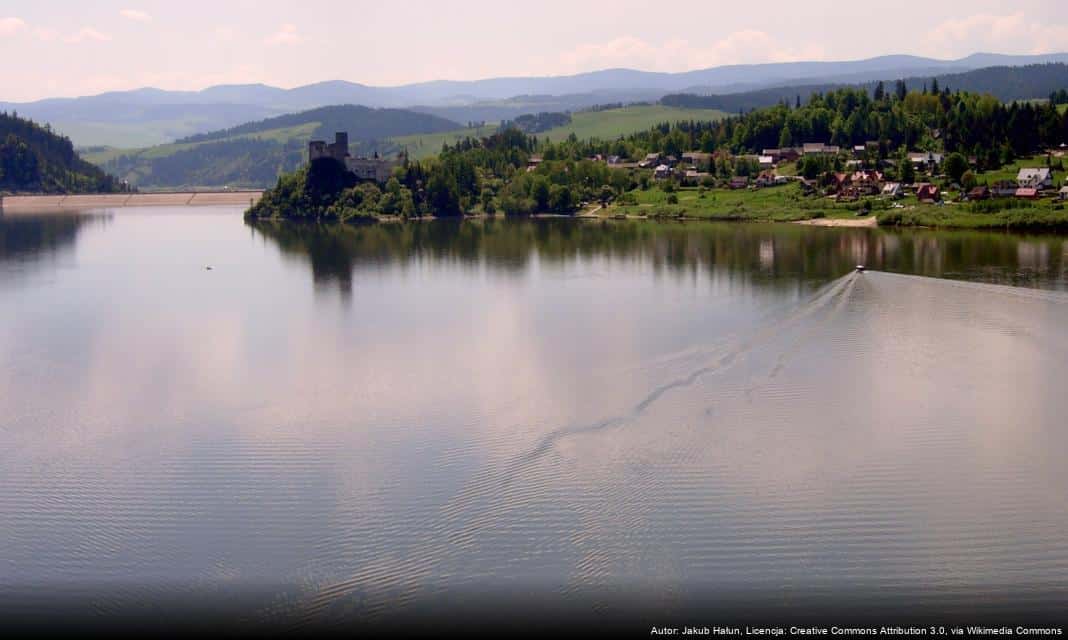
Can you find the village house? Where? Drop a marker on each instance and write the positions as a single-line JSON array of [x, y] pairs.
[[926, 159], [1038, 178], [979, 193], [697, 159], [651, 160], [892, 190], [785, 154], [694, 177], [533, 162], [1004, 189], [739, 182], [765, 179], [662, 172], [1063, 193], [867, 182], [766, 162], [374, 168], [926, 192], [1027, 193], [818, 148]]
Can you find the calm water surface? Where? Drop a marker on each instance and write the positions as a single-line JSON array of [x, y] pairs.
[[367, 420]]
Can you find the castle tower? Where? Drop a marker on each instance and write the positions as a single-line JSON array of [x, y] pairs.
[[340, 148]]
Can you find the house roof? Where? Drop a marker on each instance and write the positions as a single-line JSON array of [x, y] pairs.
[[1026, 192], [1033, 173], [1064, 190]]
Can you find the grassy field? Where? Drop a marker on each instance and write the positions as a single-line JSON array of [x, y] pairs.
[[1043, 216], [1009, 171], [611, 124], [606, 125], [424, 145], [782, 204], [787, 204]]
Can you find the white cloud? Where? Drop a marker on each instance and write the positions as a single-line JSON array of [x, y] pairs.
[[286, 34], [740, 47], [11, 26], [1013, 33], [135, 15], [87, 34]]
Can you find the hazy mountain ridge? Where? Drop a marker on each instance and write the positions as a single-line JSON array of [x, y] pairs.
[[153, 116], [1004, 83]]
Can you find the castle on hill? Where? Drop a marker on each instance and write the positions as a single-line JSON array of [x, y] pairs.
[[376, 168]]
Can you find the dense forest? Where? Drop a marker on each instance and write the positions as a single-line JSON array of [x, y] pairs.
[[1004, 83], [33, 158], [362, 123], [932, 119]]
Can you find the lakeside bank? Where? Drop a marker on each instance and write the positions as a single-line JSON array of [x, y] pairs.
[[90, 201]]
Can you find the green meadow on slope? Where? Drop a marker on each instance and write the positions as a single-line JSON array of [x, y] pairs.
[[256, 153], [605, 124]]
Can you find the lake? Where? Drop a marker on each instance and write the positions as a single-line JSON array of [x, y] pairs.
[[597, 421]]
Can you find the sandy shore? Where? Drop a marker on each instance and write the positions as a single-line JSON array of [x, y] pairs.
[[869, 221], [190, 199]]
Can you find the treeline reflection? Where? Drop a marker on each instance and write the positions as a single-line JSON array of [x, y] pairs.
[[763, 254], [31, 236]]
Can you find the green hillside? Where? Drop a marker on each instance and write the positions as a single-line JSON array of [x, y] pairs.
[[35, 159], [612, 123], [256, 153], [606, 125], [421, 146], [362, 123]]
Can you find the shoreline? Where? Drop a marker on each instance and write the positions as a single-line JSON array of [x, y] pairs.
[[61, 202], [868, 222]]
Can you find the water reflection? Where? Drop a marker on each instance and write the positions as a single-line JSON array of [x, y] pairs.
[[33, 236], [764, 255], [547, 408]]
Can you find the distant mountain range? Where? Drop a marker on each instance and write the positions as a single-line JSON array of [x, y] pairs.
[[151, 116], [1004, 83]]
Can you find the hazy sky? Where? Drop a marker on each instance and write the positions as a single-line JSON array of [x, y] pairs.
[[66, 47]]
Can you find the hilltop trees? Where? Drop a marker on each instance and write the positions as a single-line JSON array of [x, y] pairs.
[[33, 158]]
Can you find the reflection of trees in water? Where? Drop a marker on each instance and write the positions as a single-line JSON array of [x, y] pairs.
[[767, 255], [25, 236]]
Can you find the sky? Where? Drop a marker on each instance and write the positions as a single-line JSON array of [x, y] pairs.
[[53, 48]]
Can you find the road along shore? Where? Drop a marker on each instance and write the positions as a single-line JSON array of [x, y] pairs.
[[94, 201]]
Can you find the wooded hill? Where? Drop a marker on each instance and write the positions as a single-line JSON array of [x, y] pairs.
[[362, 123], [35, 159], [1004, 83], [256, 153]]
